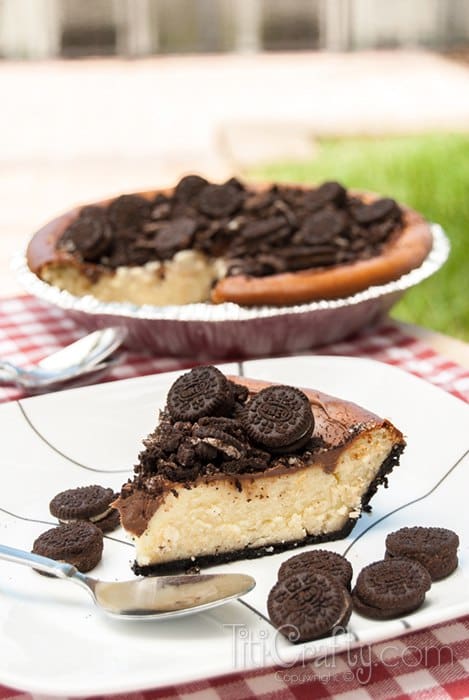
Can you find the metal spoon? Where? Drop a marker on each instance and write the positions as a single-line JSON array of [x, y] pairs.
[[154, 597], [81, 357]]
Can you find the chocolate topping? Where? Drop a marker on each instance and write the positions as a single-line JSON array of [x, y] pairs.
[[190, 444], [284, 228]]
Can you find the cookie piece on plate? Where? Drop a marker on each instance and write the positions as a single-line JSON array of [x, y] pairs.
[[390, 588], [309, 605], [434, 547], [92, 503], [80, 544], [333, 565]]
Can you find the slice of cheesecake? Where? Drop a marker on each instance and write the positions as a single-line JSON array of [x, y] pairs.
[[238, 468]]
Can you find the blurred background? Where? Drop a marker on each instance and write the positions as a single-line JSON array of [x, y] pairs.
[[99, 97]]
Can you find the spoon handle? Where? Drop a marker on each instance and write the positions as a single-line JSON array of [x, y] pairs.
[[8, 372], [36, 561]]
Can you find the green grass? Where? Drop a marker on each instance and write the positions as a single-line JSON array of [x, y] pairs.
[[429, 173]]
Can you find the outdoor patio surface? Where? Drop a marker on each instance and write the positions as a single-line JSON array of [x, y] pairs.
[[74, 131]]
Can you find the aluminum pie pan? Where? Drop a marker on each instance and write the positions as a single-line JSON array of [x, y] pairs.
[[227, 330]]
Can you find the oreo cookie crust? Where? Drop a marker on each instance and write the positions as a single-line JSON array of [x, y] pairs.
[[323, 561], [90, 503], [390, 588], [306, 606], [434, 547], [80, 544]]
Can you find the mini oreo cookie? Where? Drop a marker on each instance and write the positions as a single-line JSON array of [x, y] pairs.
[[434, 547], [220, 200], [256, 230], [376, 211], [80, 544], [322, 561], [127, 211], [174, 236], [91, 503], [309, 605], [189, 187], [323, 227], [111, 522], [204, 391], [327, 193], [90, 237], [279, 418], [390, 588]]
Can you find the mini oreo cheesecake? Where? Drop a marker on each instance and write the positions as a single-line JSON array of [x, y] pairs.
[[238, 468]]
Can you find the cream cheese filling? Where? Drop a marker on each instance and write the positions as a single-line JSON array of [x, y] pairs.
[[187, 278], [215, 516], [93, 519]]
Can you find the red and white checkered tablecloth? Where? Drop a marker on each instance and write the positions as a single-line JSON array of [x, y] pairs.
[[432, 663]]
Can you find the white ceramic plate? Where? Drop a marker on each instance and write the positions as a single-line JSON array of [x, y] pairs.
[[53, 641]]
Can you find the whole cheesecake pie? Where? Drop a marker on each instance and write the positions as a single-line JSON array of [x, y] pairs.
[[238, 468], [253, 245]]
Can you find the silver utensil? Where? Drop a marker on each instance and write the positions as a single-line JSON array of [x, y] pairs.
[[153, 597], [81, 357]]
